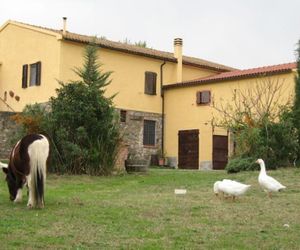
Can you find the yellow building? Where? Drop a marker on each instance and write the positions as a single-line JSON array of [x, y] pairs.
[[33, 59], [192, 137]]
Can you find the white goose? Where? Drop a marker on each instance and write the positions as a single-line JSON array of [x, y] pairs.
[[231, 188], [268, 183]]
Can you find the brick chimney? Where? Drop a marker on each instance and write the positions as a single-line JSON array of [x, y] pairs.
[[64, 25], [178, 55]]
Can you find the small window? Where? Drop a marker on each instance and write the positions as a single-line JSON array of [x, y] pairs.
[[123, 114], [35, 74], [24, 76], [150, 83], [203, 97], [149, 133]]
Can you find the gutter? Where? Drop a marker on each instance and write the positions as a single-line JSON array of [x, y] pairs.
[[162, 107]]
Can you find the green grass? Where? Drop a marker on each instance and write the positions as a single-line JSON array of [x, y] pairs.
[[142, 212]]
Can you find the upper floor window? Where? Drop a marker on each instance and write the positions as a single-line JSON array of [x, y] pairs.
[[203, 97], [150, 83], [149, 133], [34, 74]]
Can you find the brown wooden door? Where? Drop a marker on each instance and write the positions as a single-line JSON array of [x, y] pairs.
[[188, 149], [220, 151]]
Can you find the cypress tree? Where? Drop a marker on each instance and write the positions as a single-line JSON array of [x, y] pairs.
[[296, 107]]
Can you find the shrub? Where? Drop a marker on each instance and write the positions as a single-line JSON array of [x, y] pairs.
[[238, 164]]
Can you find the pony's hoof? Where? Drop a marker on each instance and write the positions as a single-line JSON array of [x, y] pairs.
[[29, 206]]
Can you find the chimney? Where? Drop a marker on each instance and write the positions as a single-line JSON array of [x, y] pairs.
[[64, 25], [178, 55]]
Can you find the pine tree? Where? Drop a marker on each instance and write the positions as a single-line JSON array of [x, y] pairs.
[[91, 73]]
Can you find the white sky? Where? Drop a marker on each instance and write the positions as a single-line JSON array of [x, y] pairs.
[[237, 33]]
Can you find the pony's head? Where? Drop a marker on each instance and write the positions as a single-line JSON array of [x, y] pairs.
[[11, 183]]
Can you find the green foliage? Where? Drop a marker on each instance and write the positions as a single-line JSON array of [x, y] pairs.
[[32, 119], [296, 107], [241, 164], [142, 44], [275, 142]]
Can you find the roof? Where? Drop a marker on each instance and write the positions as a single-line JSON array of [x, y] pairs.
[[238, 74], [128, 48]]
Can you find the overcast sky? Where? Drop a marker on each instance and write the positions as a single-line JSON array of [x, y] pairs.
[[238, 33]]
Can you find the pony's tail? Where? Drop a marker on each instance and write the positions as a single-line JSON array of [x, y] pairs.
[[38, 191], [38, 164]]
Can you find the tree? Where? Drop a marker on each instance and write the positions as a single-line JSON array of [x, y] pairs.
[[83, 122], [296, 107], [261, 121]]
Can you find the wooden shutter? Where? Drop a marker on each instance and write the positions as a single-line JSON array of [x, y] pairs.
[[203, 97], [38, 73], [198, 97], [150, 83], [24, 76]]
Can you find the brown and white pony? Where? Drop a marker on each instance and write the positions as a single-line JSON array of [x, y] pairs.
[[27, 165]]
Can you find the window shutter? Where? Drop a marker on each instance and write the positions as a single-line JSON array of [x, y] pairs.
[[24, 76], [38, 73], [150, 83], [198, 97]]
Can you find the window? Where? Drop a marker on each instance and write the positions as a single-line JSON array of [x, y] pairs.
[[35, 74], [149, 133], [203, 97], [123, 114], [150, 83]]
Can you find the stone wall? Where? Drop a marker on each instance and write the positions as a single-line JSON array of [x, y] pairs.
[[7, 128], [133, 130]]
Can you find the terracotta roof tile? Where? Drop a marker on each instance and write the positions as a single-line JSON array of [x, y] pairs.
[[238, 74], [132, 49]]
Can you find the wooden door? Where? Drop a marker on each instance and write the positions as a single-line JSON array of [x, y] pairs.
[[188, 149], [220, 151]]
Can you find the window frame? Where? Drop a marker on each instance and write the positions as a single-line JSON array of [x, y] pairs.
[[35, 77]]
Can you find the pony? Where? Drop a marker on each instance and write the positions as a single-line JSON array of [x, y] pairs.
[[27, 166]]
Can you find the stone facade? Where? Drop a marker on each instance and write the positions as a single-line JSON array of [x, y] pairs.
[[7, 127], [132, 130]]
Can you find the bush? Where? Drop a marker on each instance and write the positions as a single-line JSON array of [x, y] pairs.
[[241, 164]]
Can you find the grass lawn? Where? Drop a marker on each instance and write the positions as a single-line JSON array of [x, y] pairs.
[[142, 212]]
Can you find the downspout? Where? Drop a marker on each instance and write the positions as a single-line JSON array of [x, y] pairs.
[[162, 107]]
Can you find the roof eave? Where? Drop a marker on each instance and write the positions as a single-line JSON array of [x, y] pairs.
[[26, 26], [207, 81]]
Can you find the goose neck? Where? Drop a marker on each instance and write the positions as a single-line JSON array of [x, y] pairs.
[[262, 168]]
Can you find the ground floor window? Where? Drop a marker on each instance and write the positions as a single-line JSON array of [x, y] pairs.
[[149, 133]]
